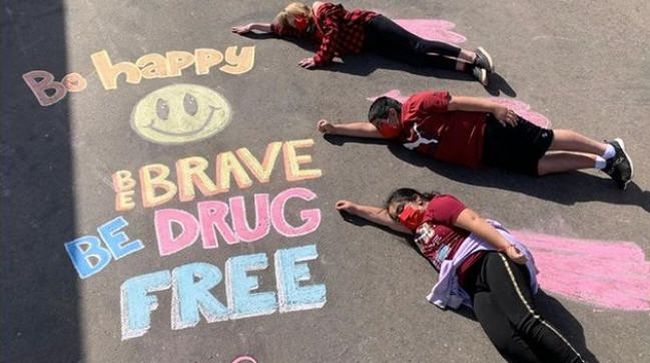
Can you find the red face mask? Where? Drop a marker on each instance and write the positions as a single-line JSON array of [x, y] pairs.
[[300, 22], [411, 217], [389, 131]]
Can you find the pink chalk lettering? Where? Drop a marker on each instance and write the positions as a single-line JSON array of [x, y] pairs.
[[394, 94], [212, 214], [244, 359], [607, 274], [39, 82], [167, 243], [311, 217], [74, 82], [262, 220], [230, 220]]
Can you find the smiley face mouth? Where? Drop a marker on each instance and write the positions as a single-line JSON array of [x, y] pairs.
[[152, 125]]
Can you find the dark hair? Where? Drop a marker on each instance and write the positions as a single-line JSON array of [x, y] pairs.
[[403, 195], [408, 195], [379, 108]]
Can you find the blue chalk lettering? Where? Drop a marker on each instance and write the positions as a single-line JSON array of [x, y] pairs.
[[189, 296], [241, 302], [115, 240], [289, 272], [137, 304], [81, 257]]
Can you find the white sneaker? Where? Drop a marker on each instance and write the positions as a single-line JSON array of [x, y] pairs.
[[484, 60], [481, 75]]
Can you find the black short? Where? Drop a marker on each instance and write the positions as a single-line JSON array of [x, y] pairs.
[[516, 148]]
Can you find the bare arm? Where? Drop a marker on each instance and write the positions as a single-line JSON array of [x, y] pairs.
[[467, 103], [263, 27], [476, 104], [357, 129], [372, 214], [472, 222]]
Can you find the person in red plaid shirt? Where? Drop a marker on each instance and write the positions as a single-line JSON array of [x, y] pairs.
[[339, 32]]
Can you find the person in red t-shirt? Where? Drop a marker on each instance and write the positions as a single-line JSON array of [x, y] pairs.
[[474, 131], [497, 279], [338, 32]]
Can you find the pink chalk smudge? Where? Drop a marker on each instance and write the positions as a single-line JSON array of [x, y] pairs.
[[244, 359], [394, 93], [608, 274], [432, 29], [521, 108]]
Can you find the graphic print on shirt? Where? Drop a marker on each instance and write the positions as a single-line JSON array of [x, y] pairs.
[[423, 234], [419, 141], [429, 244], [422, 139]]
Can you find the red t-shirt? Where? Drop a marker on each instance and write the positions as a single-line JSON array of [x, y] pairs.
[[450, 136], [437, 237]]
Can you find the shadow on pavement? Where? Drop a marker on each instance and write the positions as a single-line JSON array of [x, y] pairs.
[[40, 298], [566, 188], [365, 64], [559, 317]]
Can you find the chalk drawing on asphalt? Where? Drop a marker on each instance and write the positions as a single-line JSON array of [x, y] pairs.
[[180, 113]]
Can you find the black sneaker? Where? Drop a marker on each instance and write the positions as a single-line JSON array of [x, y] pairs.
[[481, 75], [619, 167], [483, 60]]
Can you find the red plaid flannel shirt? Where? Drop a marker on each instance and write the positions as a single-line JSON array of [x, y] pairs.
[[342, 31], [339, 31]]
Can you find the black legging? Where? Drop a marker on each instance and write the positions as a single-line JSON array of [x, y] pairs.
[[385, 37], [503, 305]]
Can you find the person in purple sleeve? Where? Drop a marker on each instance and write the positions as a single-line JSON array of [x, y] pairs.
[[481, 265]]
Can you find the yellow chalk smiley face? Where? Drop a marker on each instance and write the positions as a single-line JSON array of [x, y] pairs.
[[180, 113]]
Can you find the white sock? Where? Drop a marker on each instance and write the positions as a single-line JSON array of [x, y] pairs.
[[609, 152], [600, 163]]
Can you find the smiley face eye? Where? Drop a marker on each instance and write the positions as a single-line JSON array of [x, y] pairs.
[[162, 109], [189, 104]]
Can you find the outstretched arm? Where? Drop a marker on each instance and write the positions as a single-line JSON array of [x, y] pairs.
[[372, 214], [472, 222], [475, 104], [263, 27], [357, 129]]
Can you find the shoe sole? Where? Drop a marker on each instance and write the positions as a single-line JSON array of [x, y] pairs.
[[629, 160], [489, 59], [484, 77]]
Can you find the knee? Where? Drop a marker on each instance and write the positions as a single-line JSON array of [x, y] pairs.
[[542, 167], [528, 324], [563, 134]]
